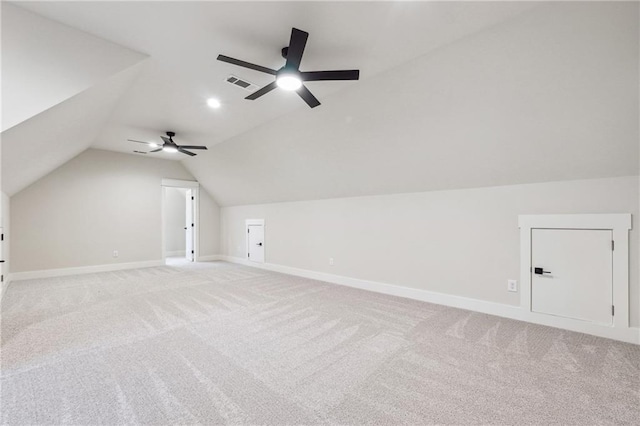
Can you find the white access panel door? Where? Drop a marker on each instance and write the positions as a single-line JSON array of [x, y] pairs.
[[572, 273], [255, 243], [189, 226]]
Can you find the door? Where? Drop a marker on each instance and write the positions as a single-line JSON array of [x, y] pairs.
[[1, 258], [255, 243], [189, 226], [572, 273]]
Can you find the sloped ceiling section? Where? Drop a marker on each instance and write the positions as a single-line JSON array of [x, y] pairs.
[[59, 88], [184, 38], [39, 145], [45, 62], [550, 95]]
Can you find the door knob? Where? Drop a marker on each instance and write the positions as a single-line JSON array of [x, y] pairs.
[[540, 271], [259, 244]]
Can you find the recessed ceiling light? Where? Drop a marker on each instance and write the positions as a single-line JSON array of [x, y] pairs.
[[169, 149], [288, 81], [213, 103]]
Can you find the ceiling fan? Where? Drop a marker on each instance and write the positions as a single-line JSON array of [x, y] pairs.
[[169, 145], [289, 77]]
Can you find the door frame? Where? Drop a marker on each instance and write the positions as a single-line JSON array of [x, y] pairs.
[[253, 222], [190, 206], [185, 184], [2, 261], [619, 224]]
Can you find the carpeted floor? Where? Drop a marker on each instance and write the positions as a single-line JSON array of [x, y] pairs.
[[217, 343]]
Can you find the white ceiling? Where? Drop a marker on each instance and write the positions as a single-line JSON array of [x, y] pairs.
[[45, 63], [183, 40], [32, 149], [452, 94], [59, 88], [552, 95]]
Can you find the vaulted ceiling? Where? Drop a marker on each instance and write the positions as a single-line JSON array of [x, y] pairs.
[[452, 94]]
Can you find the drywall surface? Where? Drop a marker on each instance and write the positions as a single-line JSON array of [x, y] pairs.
[[5, 222], [459, 242], [174, 220], [209, 225], [98, 202], [550, 95], [45, 62], [37, 146], [6, 228]]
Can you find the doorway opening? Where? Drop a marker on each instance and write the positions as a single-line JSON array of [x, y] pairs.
[[179, 221]]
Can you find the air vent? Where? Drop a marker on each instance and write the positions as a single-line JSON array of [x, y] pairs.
[[243, 84]]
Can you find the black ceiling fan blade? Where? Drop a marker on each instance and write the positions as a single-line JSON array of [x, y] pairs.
[[330, 75], [133, 140], [308, 97], [245, 64], [156, 150], [193, 147], [266, 89], [184, 151], [167, 140], [296, 48]]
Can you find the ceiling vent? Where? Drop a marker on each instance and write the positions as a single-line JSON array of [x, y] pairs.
[[243, 84]]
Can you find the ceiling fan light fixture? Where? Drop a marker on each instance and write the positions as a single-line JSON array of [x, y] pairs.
[[170, 146], [289, 77], [213, 103], [289, 81]]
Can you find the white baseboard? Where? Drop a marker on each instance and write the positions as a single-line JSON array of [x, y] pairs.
[[209, 258], [629, 335], [175, 253], [61, 272]]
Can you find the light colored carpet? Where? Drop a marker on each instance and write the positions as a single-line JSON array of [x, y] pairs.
[[217, 343]]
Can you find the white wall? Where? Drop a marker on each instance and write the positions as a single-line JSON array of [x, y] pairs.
[[5, 222], [458, 242], [39, 145], [45, 62], [209, 223], [174, 220], [98, 202], [6, 226]]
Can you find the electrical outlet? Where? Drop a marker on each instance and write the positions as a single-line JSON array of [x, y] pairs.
[[512, 285], [331, 261], [115, 253]]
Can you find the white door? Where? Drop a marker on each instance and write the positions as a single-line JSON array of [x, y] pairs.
[[1, 257], [255, 243], [572, 273], [189, 226]]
